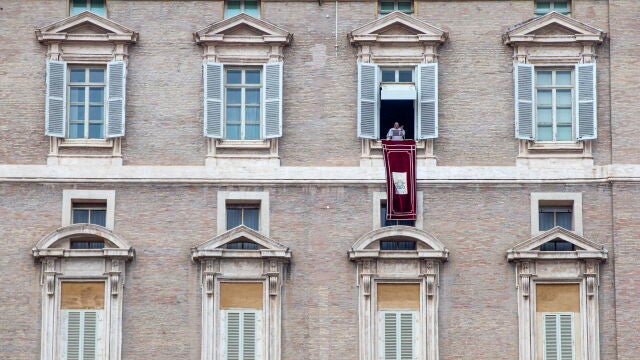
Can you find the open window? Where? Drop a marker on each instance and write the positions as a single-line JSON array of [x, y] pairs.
[[549, 210], [242, 274], [398, 269]]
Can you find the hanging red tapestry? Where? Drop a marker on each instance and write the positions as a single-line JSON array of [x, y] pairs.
[[400, 165]]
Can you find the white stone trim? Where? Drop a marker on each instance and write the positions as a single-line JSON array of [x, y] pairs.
[[239, 197], [379, 196], [109, 196], [574, 198]]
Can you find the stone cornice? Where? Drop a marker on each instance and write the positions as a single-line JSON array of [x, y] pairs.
[[587, 249], [268, 33], [422, 32], [109, 31], [578, 32]]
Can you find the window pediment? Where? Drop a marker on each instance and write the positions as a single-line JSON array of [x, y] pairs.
[[585, 249], [554, 28], [55, 244], [215, 248], [398, 27], [243, 29], [428, 247], [86, 27]]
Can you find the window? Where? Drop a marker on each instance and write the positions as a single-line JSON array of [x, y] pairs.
[[89, 213], [387, 7], [557, 245], [95, 6], [398, 311], [242, 245], [558, 336], [385, 222], [554, 105], [235, 7], [552, 216], [86, 102], [85, 244], [379, 214], [243, 89], [397, 101], [557, 313], [395, 245], [82, 311], [247, 215], [547, 6]]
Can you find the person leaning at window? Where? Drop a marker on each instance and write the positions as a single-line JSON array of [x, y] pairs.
[[396, 132]]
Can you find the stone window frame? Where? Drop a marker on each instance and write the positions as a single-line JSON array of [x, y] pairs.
[[531, 45], [70, 195], [61, 263], [373, 46], [581, 266], [375, 266], [576, 203], [242, 51], [217, 264], [243, 197], [380, 196], [109, 41]]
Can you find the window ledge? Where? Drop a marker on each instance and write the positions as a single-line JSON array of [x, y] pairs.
[[556, 146], [86, 143], [243, 144]]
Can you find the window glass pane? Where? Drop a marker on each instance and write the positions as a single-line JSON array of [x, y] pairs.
[[386, 6], [404, 6], [252, 77], [77, 75], [388, 75], [543, 77], [563, 97], [544, 97], [77, 112], [99, 217], [95, 131], [234, 217], [564, 246], [252, 114], [97, 7], [545, 133], [544, 116], [543, 6], [234, 76], [563, 133], [563, 78], [252, 132], [96, 112], [96, 95], [546, 221], [564, 219], [233, 131], [251, 8], [233, 113], [76, 94], [80, 216], [232, 8], [252, 218], [563, 115], [405, 76], [252, 96], [234, 96], [96, 75], [76, 131], [78, 6], [406, 222]]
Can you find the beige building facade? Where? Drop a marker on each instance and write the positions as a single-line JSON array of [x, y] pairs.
[[204, 180]]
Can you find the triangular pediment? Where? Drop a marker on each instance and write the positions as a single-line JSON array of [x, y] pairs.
[[242, 28], [398, 24], [216, 247], [85, 24], [553, 27], [584, 248]]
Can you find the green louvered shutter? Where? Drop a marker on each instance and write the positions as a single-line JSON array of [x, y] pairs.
[[55, 107]]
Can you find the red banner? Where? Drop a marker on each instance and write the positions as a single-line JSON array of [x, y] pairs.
[[400, 165]]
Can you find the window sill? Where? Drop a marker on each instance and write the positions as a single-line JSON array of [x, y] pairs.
[[86, 143], [243, 144], [556, 146], [570, 150]]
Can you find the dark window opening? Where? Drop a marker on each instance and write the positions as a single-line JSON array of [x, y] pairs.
[[557, 245], [242, 245], [397, 245], [384, 222], [84, 244], [401, 111], [552, 216], [89, 213], [247, 215]]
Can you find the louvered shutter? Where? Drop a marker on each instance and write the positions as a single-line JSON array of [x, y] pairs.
[[427, 101], [73, 334], [242, 335], [390, 326], [213, 92], [82, 334], [116, 88], [397, 335], [407, 338], [524, 92], [272, 99], [586, 109], [233, 336], [56, 109], [368, 90], [558, 337], [249, 336]]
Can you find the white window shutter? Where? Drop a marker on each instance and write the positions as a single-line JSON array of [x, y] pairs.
[[213, 93], [73, 334], [56, 108], [272, 100], [397, 334], [586, 109], [525, 107], [389, 328], [407, 336], [566, 336], [368, 92], [427, 101], [233, 336], [249, 336], [558, 336], [116, 89], [82, 334]]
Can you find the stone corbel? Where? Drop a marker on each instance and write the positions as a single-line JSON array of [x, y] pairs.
[[367, 271], [273, 275], [525, 275], [428, 270], [50, 275], [209, 275], [591, 276], [116, 277]]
